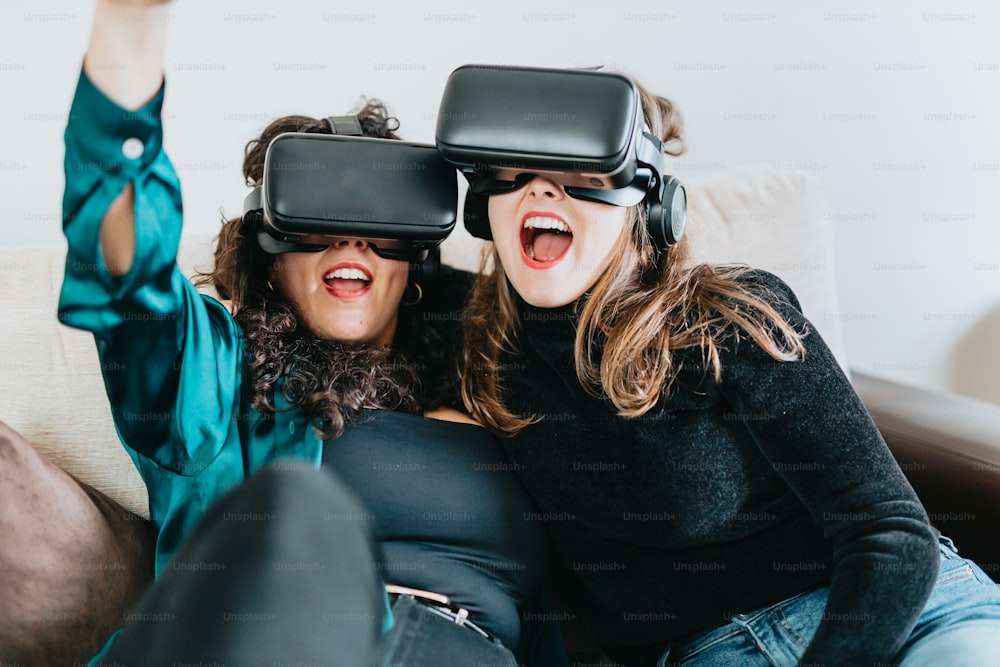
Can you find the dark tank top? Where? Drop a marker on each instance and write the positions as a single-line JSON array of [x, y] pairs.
[[448, 513]]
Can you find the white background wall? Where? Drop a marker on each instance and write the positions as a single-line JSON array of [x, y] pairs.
[[894, 105]]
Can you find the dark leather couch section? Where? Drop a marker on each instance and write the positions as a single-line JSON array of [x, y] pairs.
[[949, 448]]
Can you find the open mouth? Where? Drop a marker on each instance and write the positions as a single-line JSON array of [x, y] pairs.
[[545, 238], [348, 281]]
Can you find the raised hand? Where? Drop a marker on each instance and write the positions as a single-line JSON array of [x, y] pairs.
[[125, 55], [125, 61]]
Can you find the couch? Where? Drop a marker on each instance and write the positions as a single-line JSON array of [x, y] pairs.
[[51, 389]]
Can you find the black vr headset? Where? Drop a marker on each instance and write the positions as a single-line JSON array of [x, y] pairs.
[[321, 185], [582, 129]]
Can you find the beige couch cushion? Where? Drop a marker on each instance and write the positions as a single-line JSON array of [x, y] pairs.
[[778, 221], [51, 389]]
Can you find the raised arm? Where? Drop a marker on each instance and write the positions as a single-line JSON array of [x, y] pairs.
[[125, 61], [171, 358]]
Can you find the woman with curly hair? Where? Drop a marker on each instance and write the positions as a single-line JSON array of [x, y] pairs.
[[413, 544]]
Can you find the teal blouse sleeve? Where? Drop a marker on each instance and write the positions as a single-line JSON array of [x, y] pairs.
[[171, 358], [157, 337]]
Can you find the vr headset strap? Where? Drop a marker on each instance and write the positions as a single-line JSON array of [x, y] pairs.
[[252, 201], [650, 153], [349, 125]]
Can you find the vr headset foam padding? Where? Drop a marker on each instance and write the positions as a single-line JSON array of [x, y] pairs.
[[581, 129], [334, 185]]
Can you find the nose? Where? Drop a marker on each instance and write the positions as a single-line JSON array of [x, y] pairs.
[[541, 187], [360, 244]]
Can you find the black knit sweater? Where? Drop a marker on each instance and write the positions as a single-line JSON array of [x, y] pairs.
[[724, 498]]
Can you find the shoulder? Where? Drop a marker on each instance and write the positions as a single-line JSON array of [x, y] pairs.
[[450, 415], [753, 313], [769, 288], [218, 315], [736, 300]]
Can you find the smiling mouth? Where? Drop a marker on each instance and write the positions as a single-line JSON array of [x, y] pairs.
[[545, 239], [347, 281]]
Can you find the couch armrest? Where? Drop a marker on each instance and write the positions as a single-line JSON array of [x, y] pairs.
[[949, 448]]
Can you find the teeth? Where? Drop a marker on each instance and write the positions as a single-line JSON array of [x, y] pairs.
[[346, 274], [539, 222]]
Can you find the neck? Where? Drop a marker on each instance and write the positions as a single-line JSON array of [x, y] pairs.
[[550, 333]]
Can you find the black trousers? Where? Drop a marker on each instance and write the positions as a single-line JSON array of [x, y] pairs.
[[282, 571]]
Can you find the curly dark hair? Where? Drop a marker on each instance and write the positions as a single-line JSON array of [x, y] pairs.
[[332, 382]]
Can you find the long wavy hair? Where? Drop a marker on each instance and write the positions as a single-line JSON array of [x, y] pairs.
[[645, 306], [332, 382]]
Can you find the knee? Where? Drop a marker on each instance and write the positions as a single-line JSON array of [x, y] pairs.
[[13, 447], [21, 464], [22, 467]]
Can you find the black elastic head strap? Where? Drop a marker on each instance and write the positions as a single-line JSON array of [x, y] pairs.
[[349, 125]]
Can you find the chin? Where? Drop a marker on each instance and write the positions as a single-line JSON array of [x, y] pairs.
[[554, 288], [541, 298], [341, 335]]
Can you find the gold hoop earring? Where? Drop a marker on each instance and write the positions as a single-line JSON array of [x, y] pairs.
[[420, 295]]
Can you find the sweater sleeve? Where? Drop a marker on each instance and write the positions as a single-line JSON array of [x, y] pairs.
[[810, 424], [161, 344]]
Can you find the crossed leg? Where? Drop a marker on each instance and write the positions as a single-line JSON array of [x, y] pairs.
[[281, 570]]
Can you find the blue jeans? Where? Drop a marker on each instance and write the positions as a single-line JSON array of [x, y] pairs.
[[419, 637], [959, 627]]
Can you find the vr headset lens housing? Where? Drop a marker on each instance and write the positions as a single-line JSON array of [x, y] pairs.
[[581, 129], [400, 195], [506, 181]]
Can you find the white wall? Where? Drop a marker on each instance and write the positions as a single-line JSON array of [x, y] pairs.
[[895, 106]]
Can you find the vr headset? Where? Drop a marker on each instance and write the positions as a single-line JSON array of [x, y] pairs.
[[582, 129], [319, 185]]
